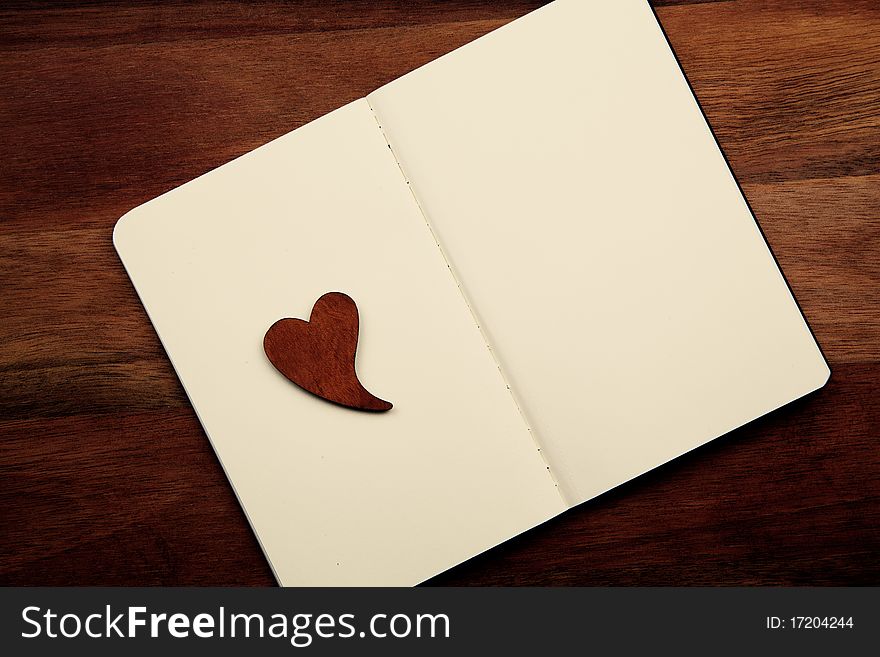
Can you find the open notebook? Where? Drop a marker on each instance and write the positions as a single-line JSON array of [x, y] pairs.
[[560, 287]]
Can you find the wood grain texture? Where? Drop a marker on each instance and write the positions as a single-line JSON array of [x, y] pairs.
[[319, 355], [107, 477]]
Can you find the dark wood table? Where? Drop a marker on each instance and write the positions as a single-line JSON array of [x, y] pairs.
[[105, 474]]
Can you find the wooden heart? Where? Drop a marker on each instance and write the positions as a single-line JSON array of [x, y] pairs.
[[318, 355]]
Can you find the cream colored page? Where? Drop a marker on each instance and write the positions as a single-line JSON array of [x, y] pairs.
[[599, 236], [336, 497]]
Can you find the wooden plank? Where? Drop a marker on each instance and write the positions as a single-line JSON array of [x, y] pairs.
[[108, 478], [120, 499]]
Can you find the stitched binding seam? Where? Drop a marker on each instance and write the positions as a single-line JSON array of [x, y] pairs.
[[470, 308]]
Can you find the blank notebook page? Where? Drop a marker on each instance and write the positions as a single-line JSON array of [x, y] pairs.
[[600, 238], [336, 496]]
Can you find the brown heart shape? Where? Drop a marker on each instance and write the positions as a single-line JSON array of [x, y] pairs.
[[318, 355]]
